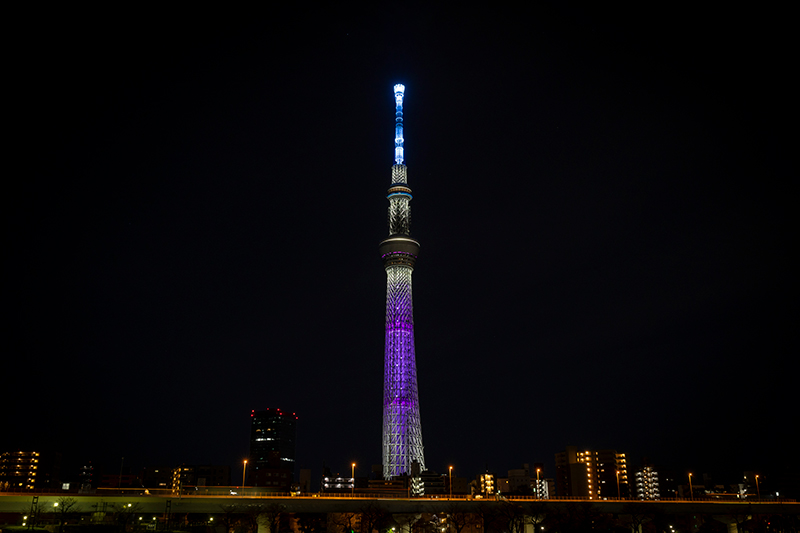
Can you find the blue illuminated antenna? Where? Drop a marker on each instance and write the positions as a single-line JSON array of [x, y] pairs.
[[399, 91]]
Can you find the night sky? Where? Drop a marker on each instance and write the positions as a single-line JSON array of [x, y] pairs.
[[194, 203]]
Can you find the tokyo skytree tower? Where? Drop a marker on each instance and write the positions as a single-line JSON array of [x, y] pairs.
[[402, 431]]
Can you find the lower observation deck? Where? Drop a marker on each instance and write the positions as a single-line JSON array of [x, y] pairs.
[[399, 250]]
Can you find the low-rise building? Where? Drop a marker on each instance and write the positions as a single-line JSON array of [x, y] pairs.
[[646, 486], [29, 470]]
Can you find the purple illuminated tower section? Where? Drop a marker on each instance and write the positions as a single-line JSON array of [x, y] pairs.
[[402, 431]]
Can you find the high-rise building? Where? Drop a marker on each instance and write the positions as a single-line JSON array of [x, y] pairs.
[[272, 444], [402, 431], [595, 475]]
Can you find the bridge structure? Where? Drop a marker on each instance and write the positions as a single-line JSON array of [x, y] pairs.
[[154, 509]]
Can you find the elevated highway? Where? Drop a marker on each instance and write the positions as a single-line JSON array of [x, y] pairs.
[[317, 503]]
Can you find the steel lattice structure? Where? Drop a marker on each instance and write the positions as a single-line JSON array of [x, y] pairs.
[[402, 431]]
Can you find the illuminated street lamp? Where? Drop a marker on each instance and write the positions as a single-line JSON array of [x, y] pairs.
[[451, 482], [244, 470], [619, 496], [691, 493], [758, 490], [353, 476]]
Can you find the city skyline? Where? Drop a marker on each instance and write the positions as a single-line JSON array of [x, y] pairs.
[[606, 213], [589, 474]]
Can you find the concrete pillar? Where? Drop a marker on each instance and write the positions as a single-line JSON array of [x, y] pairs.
[[529, 527], [732, 521], [263, 525]]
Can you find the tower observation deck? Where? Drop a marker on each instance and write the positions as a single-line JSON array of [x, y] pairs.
[[402, 431]]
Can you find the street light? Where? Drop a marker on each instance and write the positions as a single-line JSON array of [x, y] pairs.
[[244, 470], [353, 476], [691, 493], [451, 482], [758, 490], [618, 494], [538, 491]]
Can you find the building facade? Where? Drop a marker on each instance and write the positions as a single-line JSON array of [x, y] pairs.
[[519, 481], [596, 475], [542, 488], [187, 477], [272, 449], [336, 482], [646, 486], [29, 470], [484, 485]]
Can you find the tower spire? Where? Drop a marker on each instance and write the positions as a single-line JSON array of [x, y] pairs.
[[399, 92], [402, 431]]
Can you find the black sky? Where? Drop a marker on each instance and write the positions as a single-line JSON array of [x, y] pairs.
[[602, 197]]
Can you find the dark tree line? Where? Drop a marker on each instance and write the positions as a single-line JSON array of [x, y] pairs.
[[64, 516]]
